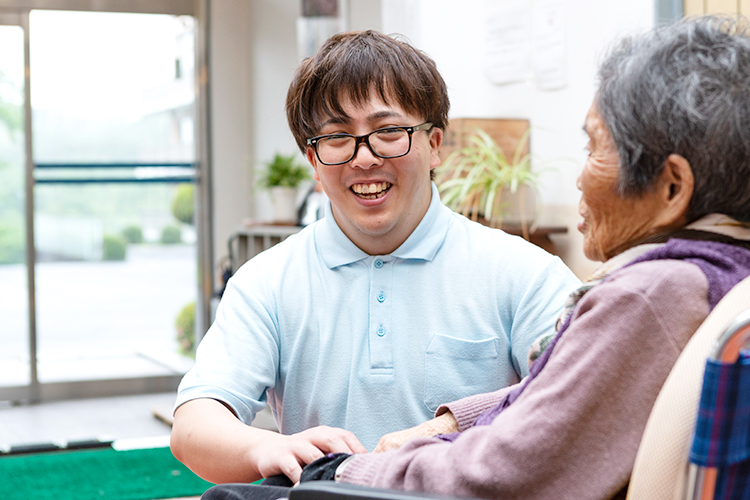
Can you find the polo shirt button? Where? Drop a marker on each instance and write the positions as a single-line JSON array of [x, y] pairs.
[[378, 263], [380, 331], [381, 297]]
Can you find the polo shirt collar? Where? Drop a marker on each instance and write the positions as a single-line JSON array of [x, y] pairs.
[[336, 249]]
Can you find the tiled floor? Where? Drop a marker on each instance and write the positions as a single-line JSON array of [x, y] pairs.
[[126, 418], [131, 421]]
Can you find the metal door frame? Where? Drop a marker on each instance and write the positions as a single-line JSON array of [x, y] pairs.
[[16, 13], [20, 18]]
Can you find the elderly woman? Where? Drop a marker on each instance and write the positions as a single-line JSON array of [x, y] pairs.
[[666, 205]]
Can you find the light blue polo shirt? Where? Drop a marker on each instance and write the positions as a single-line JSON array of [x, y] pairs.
[[329, 335]]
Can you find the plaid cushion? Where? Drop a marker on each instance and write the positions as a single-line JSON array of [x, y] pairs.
[[722, 433], [733, 482]]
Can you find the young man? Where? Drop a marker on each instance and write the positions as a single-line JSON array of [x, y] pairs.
[[369, 319]]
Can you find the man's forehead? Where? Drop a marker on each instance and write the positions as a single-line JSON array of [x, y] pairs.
[[349, 106], [363, 112]]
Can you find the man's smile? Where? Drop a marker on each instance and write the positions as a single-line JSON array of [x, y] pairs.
[[371, 191]]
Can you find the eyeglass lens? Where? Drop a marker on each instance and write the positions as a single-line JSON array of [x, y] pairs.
[[384, 143]]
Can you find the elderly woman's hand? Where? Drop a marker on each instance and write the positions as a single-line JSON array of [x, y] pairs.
[[443, 424]]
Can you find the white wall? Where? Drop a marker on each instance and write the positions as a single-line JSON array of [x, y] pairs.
[[254, 56], [231, 120], [274, 59], [453, 33]]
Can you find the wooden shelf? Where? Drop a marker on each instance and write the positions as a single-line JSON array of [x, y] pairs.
[[539, 236], [249, 240]]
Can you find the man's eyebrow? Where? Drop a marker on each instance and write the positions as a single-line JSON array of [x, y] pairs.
[[383, 114], [336, 120], [345, 120]]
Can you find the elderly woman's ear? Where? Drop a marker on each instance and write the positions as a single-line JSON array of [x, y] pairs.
[[675, 190]]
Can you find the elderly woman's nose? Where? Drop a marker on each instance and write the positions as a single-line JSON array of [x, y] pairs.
[[578, 182]]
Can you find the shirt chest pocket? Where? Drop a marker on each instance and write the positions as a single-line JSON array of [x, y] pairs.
[[456, 368]]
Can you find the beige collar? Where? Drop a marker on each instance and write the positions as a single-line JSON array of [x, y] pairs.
[[722, 224]]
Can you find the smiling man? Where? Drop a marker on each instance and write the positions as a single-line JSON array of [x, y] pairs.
[[378, 193], [367, 320]]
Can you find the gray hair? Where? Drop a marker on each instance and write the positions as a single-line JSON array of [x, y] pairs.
[[685, 89]]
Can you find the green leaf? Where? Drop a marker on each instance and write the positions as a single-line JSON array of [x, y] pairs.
[[472, 178], [283, 171]]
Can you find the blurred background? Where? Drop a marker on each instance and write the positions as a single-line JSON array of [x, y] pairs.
[[133, 135]]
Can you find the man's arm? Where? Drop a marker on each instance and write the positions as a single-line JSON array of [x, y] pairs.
[[217, 446], [547, 290]]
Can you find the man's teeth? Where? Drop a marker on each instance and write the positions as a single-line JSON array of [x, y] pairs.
[[372, 190]]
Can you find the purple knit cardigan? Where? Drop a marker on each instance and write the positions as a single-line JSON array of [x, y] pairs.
[[723, 264]]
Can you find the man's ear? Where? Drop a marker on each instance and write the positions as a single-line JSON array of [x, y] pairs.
[[436, 140], [676, 185], [310, 154]]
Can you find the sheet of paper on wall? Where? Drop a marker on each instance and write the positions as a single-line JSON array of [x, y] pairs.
[[548, 44], [312, 32], [402, 17], [508, 45]]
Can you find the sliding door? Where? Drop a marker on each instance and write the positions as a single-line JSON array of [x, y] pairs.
[[15, 359], [99, 211]]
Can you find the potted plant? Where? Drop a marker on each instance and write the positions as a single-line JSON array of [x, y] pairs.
[[480, 182], [282, 177]]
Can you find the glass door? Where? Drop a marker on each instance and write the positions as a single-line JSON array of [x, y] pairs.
[[15, 356], [98, 260]]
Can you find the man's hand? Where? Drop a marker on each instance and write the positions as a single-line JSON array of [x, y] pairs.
[[213, 443], [444, 424], [288, 454]]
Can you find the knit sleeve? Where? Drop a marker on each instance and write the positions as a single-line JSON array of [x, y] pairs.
[[466, 410], [574, 432]]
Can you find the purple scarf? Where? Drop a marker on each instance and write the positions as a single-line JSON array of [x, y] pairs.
[[723, 264]]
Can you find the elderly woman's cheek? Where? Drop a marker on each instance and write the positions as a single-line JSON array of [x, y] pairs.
[[601, 236]]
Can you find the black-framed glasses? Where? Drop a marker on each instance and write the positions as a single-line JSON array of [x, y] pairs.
[[388, 142]]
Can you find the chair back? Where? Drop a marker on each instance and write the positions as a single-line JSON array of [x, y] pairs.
[[660, 471], [720, 454]]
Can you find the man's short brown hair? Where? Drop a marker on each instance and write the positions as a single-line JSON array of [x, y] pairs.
[[354, 64]]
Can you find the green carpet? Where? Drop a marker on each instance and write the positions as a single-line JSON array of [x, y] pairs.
[[98, 474]]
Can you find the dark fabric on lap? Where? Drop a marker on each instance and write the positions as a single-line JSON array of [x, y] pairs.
[[280, 480], [324, 468], [236, 491]]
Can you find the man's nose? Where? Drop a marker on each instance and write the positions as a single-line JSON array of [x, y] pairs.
[[364, 157]]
